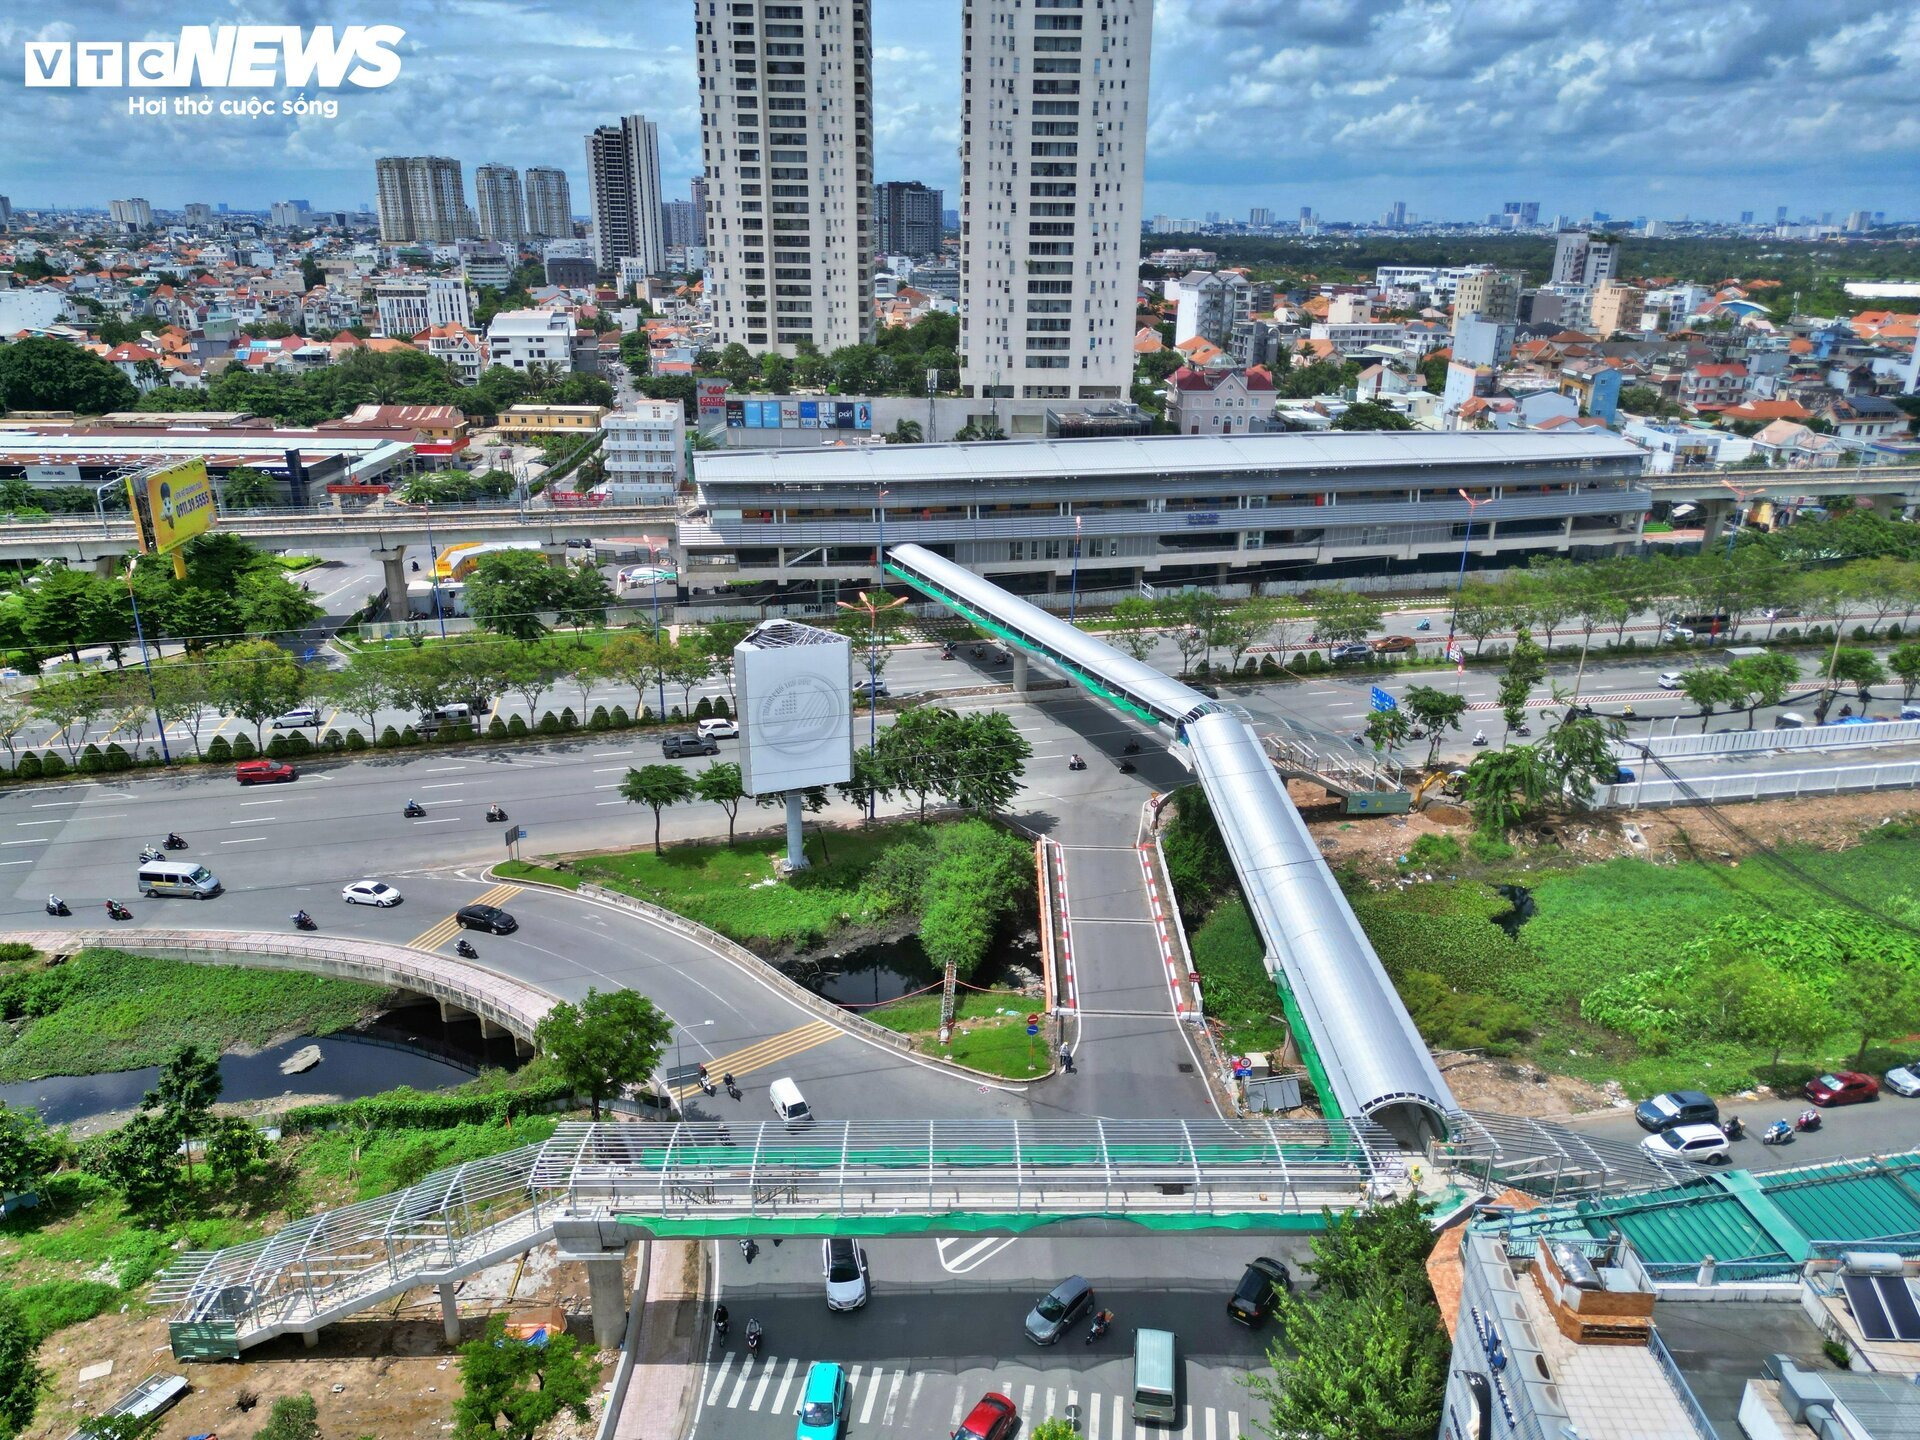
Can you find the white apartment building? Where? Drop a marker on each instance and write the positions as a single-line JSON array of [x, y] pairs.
[[459, 347], [283, 215], [645, 452], [549, 203], [1347, 338], [494, 272], [519, 338], [414, 303], [786, 127], [1583, 259], [1053, 146], [623, 171], [496, 196], [421, 197], [135, 214]]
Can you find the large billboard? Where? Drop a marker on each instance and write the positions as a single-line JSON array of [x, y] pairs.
[[796, 708], [799, 414], [171, 505], [710, 398]]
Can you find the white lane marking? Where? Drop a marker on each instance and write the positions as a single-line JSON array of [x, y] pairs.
[[893, 1397], [448, 821], [1049, 1414], [1118, 1429], [445, 785], [780, 1395], [253, 820], [24, 823], [974, 1255], [248, 841], [16, 862], [1026, 1400], [873, 1393], [726, 1364], [605, 803], [1233, 1425], [1210, 1431], [245, 804], [1093, 1416], [760, 1390], [740, 1385], [443, 769], [41, 840], [613, 754], [958, 1400], [609, 769], [615, 785]]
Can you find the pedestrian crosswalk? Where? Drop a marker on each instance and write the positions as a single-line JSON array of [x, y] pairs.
[[443, 930], [884, 1397], [762, 1053]]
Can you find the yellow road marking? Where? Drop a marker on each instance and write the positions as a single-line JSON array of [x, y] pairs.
[[439, 933], [761, 1054]]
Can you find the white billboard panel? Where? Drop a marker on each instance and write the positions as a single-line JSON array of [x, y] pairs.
[[796, 713]]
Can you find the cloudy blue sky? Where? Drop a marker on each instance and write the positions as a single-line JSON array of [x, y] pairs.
[[1660, 107]]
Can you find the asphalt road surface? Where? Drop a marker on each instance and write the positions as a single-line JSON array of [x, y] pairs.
[[945, 1325]]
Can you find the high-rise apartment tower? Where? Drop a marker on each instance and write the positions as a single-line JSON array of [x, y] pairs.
[[422, 198], [549, 204], [623, 169], [906, 218], [496, 200]]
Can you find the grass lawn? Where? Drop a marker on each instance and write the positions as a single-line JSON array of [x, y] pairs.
[[107, 1010], [1231, 959], [982, 1037], [296, 563], [732, 889]]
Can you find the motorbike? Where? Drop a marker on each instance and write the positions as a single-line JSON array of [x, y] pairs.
[[1807, 1120], [946, 652], [1778, 1133], [117, 911], [151, 852], [1132, 748], [1479, 739], [1626, 712], [1102, 1323], [1126, 767], [753, 1337], [414, 810], [303, 921], [57, 906], [706, 1083], [720, 1325], [1523, 730], [733, 1090], [1074, 762], [464, 949], [748, 1248], [495, 814], [1735, 1128], [174, 841], [1424, 625]]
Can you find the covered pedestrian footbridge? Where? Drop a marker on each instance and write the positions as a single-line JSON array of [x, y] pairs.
[[1360, 1046]]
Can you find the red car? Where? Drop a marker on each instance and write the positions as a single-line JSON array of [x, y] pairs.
[[263, 772], [1843, 1087], [992, 1418]]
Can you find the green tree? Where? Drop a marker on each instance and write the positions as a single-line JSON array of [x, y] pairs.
[[1763, 680], [363, 687], [1435, 711], [140, 1160], [1480, 610], [71, 704], [657, 787], [915, 753], [507, 591], [245, 488], [1055, 1429], [181, 699], [1578, 753], [604, 1044], [235, 1150], [41, 373], [1708, 688], [905, 432], [20, 1377], [255, 680], [1388, 729], [271, 604], [28, 1150], [978, 876], [1135, 623], [581, 597], [719, 638], [1344, 615], [1859, 668], [720, 784], [1877, 997], [512, 1390], [1370, 415], [293, 1417], [687, 664], [532, 673], [188, 1088], [1526, 668], [1505, 786], [1905, 662], [986, 758], [1641, 400], [1374, 1368], [71, 608], [636, 659], [864, 788]]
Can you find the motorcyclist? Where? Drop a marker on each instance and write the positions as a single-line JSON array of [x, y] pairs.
[[465, 948], [720, 1320], [302, 919], [175, 841], [55, 905], [413, 807], [1778, 1131], [754, 1332], [1735, 1128]]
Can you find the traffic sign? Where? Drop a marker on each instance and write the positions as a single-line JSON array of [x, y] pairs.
[[515, 834], [1383, 701], [1033, 1019], [1032, 1030]]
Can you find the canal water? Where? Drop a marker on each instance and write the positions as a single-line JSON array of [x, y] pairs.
[[409, 1046]]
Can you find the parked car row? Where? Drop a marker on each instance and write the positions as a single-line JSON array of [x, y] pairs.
[[1685, 1124]]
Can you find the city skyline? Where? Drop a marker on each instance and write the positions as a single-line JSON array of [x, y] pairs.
[[1605, 112]]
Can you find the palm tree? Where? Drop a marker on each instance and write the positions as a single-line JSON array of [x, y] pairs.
[[905, 432]]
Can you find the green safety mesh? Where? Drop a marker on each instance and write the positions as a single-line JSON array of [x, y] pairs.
[[955, 1223]]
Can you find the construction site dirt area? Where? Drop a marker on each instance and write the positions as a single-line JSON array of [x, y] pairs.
[[387, 1372]]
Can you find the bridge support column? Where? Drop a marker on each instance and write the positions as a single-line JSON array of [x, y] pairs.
[[1714, 516], [451, 1011], [1020, 672], [608, 1293], [310, 1339], [489, 1030], [395, 560], [449, 1312], [107, 567], [522, 1045], [556, 553]]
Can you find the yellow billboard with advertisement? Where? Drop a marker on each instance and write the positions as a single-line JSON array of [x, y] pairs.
[[171, 505]]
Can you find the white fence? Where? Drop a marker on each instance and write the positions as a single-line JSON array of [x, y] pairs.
[[1748, 742], [1830, 780]]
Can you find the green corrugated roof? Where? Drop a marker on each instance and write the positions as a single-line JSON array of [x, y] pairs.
[[1850, 1202]]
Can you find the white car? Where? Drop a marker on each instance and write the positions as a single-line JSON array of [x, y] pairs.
[[371, 892], [844, 1264], [1670, 680], [1905, 1079], [1676, 632], [719, 730], [297, 719], [1702, 1143]]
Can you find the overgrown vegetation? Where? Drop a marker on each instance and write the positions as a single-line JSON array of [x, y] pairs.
[[107, 1010]]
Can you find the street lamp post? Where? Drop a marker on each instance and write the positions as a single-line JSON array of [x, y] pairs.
[[433, 566], [872, 608], [1741, 496], [146, 664], [99, 505], [880, 553], [1073, 593], [653, 569], [1453, 620]]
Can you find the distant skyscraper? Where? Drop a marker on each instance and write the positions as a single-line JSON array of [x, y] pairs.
[[697, 188], [786, 119], [496, 199], [284, 215], [1259, 217], [422, 198], [623, 170], [549, 204], [1050, 214], [906, 218], [1399, 214], [1746, 217], [1780, 215], [1306, 214], [6, 213], [676, 223], [197, 214], [1859, 220], [135, 214]]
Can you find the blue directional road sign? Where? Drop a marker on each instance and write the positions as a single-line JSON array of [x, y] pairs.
[[1383, 701]]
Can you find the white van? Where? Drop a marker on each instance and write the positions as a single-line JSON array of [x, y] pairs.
[[788, 1103], [172, 877], [1156, 1378]]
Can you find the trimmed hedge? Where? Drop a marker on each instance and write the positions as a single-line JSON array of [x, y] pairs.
[[243, 747], [405, 1109], [219, 750]]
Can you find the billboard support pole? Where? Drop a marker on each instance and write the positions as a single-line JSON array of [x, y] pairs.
[[796, 843], [146, 662]]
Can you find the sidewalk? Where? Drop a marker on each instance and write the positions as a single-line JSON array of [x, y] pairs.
[[659, 1400]]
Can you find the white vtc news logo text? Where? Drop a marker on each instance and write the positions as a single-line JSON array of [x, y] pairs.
[[248, 57]]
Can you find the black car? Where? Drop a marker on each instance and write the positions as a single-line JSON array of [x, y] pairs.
[[486, 917], [1352, 650], [1266, 1279], [674, 746], [1676, 1107]]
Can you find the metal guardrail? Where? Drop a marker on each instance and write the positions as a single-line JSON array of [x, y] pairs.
[[1747, 742], [1692, 790], [513, 1006], [1682, 1391]]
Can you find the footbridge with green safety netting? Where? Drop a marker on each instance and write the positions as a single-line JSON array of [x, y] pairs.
[[594, 1188]]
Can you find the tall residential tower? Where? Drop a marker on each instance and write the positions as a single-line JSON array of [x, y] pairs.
[[549, 204], [786, 124], [422, 197], [1053, 143], [496, 200], [623, 171]]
